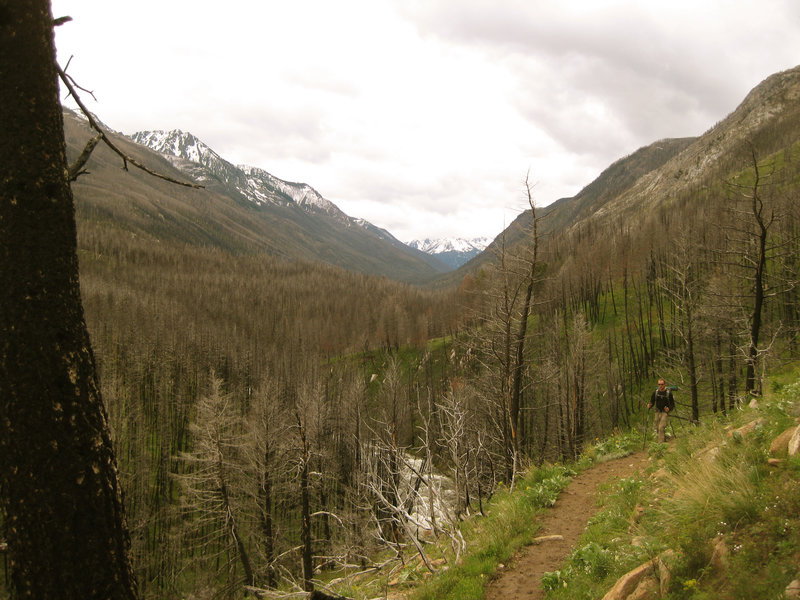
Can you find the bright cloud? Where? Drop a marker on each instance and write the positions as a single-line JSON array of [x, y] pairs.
[[424, 116]]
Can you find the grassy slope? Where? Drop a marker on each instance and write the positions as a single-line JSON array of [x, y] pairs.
[[685, 502], [705, 487]]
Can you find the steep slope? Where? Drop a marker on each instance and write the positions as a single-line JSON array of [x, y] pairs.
[[191, 156], [561, 214], [768, 118], [244, 210], [653, 176], [612, 182]]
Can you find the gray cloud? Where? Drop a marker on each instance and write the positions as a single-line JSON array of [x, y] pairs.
[[599, 78], [424, 115]]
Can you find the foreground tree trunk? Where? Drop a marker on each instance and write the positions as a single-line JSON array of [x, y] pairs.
[[59, 493]]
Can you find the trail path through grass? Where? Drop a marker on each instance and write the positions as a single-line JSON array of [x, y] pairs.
[[567, 518]]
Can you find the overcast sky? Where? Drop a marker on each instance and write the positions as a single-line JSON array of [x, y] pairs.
[[424, 116]]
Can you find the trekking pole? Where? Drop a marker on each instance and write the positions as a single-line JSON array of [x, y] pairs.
[[644, 427]]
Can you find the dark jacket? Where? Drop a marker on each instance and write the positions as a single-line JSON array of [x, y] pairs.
[[660, 400]]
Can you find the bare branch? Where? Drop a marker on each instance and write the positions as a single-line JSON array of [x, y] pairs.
[[76, 170], [94, 124]]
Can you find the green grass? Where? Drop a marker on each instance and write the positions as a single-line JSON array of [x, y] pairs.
[[704, 487], [510, 523]]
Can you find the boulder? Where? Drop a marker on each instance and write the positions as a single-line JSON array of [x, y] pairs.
[[648, 589], [780, 445], [794, 443], [747, 428], [647, 581], [792, 591], [627, 584]]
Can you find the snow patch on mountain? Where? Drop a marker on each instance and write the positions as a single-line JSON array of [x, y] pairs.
[[437, 246], [301, 193], [454, 252], [195, 158], [178, 144]]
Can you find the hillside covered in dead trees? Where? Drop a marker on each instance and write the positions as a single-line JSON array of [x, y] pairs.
[[282, 425]]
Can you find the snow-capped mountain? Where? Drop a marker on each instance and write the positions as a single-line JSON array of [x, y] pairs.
[[198, 160], [301, 193], [307, 224], [454, 252]]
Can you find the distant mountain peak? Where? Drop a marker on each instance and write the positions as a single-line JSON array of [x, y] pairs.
[[438, 245], [179, 144], [255, 184], [454, 252]]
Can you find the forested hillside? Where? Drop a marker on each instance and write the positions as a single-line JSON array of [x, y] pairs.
[[282, 424], [307, 390], [241, 210], [630, 191]]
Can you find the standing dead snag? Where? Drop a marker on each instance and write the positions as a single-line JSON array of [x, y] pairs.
[[755, 256], [522, 328], [305, 504], [503, 336]]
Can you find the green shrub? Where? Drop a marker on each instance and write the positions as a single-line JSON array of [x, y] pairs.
[[553, 580], [593, 560]]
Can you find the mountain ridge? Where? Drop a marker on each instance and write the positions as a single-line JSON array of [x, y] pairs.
[[633, 187], [258, 185], [196, 159], [276, 212], [242, 211]]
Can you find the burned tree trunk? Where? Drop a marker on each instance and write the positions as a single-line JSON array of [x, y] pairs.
[[60, 495]]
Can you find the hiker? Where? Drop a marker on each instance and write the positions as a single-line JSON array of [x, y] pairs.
[[663, 402]]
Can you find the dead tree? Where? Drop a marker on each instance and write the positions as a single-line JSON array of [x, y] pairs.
[[752, 247], [684, 285], [208, 481]]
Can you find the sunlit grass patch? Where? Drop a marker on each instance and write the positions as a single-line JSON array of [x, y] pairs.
[[708, 491], [713, 494]]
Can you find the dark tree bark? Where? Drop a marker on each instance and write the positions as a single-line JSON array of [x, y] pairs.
[[763, 224], [519, 357], [59, 491]]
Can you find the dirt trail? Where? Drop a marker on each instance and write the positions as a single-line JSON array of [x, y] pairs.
[[568, 518]]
